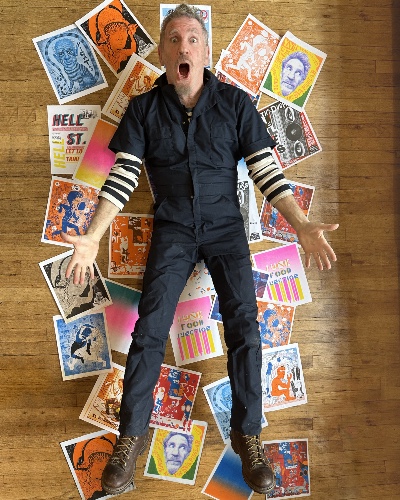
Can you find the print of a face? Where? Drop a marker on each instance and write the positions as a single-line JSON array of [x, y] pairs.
[[64, 52], [176, 450], [293, 73]]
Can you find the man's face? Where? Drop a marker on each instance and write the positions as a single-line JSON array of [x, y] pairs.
[[184, 54], [65, 52], [292, 75], [176, 451]]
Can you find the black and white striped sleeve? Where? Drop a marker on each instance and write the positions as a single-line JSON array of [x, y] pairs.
[[267, 176], [122, 179]]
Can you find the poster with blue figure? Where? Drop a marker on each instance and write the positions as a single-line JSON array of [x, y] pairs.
[[70, 63]]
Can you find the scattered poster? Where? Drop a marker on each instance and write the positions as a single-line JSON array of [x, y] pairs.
[[130, 238], [293, 71], [248, 55], [282, 378], [70, 208], [83, 346], [70, 129], [287, 280], [199, 283], [274, 226], [175, 456], [70, 63], [276, 323], [293, 133], [116, 34], [255, 99], [248, 203], [74, 301]]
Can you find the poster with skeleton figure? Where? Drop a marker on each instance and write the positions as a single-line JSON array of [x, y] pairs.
[[293, 133], [74, 301], [83, 346], [70, 63], [282, 378], [248, 55]]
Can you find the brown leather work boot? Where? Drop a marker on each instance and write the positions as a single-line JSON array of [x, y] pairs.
[[119, 472], [256, 469]]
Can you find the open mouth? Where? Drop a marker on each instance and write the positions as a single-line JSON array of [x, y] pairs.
[[184, 70]]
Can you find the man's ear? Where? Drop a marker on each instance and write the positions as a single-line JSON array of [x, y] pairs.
[[160, 56], [207, 56]]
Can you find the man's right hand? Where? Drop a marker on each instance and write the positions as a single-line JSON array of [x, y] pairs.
[[85, 253]]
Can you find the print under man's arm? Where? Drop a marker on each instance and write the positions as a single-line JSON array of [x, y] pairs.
[[273, 185], [119, 185]]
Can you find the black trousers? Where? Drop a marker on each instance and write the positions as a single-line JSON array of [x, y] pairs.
[[172, 257]]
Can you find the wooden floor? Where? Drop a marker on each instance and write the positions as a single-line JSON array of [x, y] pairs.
[[348, 335]]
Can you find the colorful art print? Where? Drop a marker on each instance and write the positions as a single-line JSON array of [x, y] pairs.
[[83, 346], [97, 160], [174, 396], [255, 99], [70, 63], [226, 479], [70, 129], [248, 203], [121, 315], [291, 467], [248, 55], [86, 457], [130, 238], [274, 226], [138, 77], [276, 322], [204, 11], [103, 405], [287, 281], [282, 378], [292, 132], [74, 301], [293, 71], [194, 336], [175, 456], [116, 34], [199, 283], [70, 208], [260, 280]]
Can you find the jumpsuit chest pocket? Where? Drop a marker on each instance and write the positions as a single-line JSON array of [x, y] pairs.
[[224, 143], [160, 147]]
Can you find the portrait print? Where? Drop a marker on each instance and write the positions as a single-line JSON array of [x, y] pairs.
[[70, 63], [175, 456], [293, 71], [116, 34]]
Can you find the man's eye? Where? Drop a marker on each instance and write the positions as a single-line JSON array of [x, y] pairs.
[[173, 40], [193, 39]]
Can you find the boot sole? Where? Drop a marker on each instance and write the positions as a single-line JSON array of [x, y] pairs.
[[121, 489], [257, 489]]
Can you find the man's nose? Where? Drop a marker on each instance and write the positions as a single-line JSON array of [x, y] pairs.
[[183, 47]]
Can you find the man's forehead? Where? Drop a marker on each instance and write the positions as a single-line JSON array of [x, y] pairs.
[[175, 26]]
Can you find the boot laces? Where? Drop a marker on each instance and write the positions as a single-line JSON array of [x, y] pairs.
[[122, 449], [256, 455]]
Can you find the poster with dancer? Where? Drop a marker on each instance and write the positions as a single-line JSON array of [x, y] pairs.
[[97, 160], [130, 238], [138, 77], [121, 315], [226, 479], [70, 63], [287, 280], [293, 133], [291, 464], [70, 129], [282, 378], [116, 34], [204, 11], [83, 346], [248, 55], [74, 301], [175, 456], [274, 226], [86, 457], [293, 71], [70, 208]]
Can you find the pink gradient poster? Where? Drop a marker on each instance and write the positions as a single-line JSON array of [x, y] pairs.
[[287, 282], [98, 159], [121, 315]]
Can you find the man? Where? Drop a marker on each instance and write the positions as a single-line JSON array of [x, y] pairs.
[[192, 130], [177, 448], [295, 68]]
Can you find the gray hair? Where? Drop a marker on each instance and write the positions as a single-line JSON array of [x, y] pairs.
[[183, 10]]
